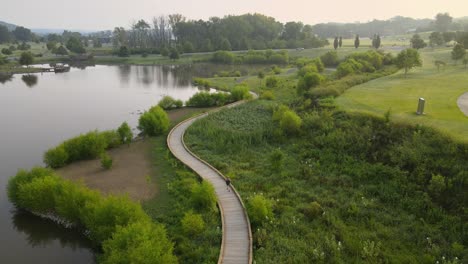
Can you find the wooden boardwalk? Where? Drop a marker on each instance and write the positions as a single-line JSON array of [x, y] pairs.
[[236, 246]]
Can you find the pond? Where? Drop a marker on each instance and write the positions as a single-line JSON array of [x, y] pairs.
[[39, 111]]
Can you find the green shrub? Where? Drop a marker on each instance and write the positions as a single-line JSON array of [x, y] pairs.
[[86, 146], [168, 102], [192, 224], [240, 92], [7, 51], [153, 122], [139, 242], [313, 210], [24, 177], [324, 92], [290, 123], [309, 80], [222, 56], [206, 99], [267, 95], [125, 133], [276, 160], [259, 209], [106, 161], [125, 232], [272, 81], [330, 59], [56, 157], [200, 82], [204, 196], [111, 138]]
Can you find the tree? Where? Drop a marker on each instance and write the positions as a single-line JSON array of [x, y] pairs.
[[174, 54], [123, 52], [376, 41], [436, 39], [335, 43], [74, 44], [465, 61], [417, 42], [5, 35], [6, 51], [22, 34], [407, 59], [340, 42], [458, 52], [97, 43], [60, 51], [26, 58], [225, 45], [442, 22], [51, 45], [357, 42]]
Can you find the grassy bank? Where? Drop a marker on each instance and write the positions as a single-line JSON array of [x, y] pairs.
[[347, 188], [440, 89]]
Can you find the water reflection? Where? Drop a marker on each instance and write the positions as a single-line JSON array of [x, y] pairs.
[[41, 232], [124, 72], [5, 78], [29, 79]]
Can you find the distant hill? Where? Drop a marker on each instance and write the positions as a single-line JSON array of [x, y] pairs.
[[10, 27]]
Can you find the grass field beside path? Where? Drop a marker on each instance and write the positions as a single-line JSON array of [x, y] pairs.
[[400, 95]]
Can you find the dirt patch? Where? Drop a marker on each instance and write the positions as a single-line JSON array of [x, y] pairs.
[[178, 115], [462, 103], [128, 175], [132, 166]]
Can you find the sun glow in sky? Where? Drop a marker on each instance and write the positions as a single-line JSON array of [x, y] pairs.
[[106, 14]]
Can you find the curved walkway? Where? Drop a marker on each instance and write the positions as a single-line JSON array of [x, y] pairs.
[[236, 245], [462, 103]]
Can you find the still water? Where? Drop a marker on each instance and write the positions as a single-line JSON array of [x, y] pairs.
[[41, 110]]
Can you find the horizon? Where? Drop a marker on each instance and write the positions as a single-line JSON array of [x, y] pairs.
[[124, 15]]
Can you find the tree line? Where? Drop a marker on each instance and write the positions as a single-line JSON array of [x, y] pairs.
[[249, 31]]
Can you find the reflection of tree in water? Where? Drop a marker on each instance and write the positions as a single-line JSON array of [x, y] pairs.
[[124, 73], [145, 74], [29, 79], [5, 78], [172, 76], [41, 232], [182, 74]]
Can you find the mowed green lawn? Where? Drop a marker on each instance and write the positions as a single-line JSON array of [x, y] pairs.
[[400, 95]]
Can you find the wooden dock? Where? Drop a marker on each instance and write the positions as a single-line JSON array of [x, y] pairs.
[[236, 246]]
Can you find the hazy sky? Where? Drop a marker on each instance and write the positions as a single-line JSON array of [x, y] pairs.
[[106, 14]]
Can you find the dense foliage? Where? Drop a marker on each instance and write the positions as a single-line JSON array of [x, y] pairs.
[[167, 103], [120, 226], [347, 188], [83, 147]]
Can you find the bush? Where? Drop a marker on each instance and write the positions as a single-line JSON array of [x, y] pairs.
[[206, 99], [106, 161], [7, 51], [310, 80], [290, 123], [313, 210], [168, 102], [240, 92], [123, 52], [125, 133], [84, 147], [153, 122], [56, 157], [202, 83], [267, 95], [259, 210], [192, 224], [126, 233], [204, 196], [112, 139], [139, 242], [272, 81], [330, 59], [222, 56]]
